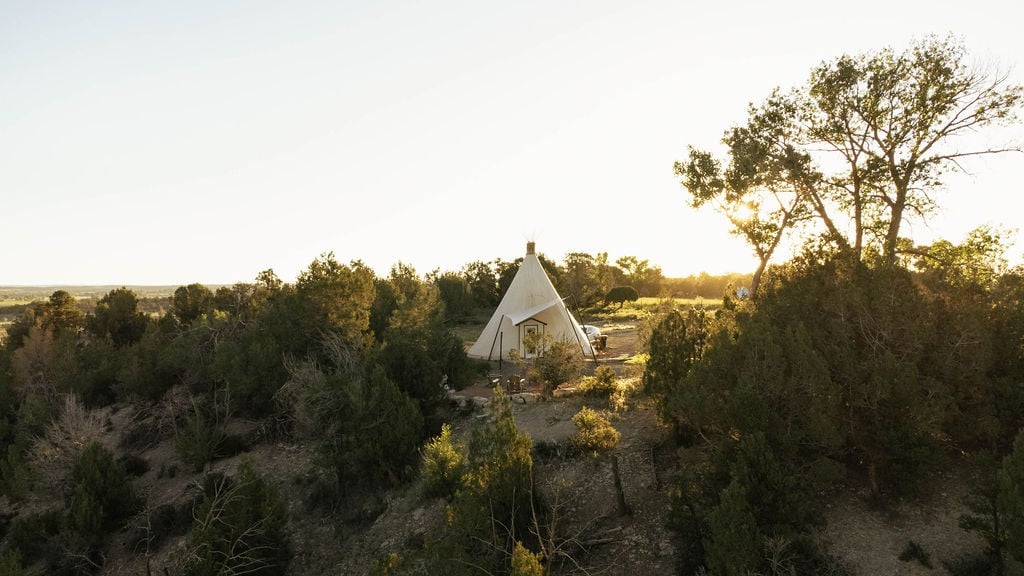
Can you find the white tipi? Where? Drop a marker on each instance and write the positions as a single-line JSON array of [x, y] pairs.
[[530, 305]]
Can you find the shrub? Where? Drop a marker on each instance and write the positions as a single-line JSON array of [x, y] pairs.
[[525, 563], [733, 543], [100, 501], [102, 495], [56, 451], [593, 431], [30, 534], [560, 363], [443, 464], [619, 399], [198, 440], [367, 431], [601, 385], [239, 527], [497, 504]]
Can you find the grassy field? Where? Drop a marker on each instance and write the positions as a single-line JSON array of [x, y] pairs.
[[649, 302], [4, 302], [644, 307], [13, 295]]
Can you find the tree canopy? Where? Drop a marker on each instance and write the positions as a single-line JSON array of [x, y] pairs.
[[856, 152]]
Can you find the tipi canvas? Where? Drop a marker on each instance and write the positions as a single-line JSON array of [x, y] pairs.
[[530, 305]]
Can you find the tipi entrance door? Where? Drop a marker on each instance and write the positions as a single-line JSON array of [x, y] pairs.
[[531, 340]]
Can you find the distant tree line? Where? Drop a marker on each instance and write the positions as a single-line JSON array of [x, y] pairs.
[[585, 280]]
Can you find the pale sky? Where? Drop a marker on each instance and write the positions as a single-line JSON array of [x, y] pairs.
[[206, 141]]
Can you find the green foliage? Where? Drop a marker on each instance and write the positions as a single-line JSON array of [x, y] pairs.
[[102, 496], [190, 302], [982, 501], [759, 517], [443, 464], [199, 439], [693, 493], [526, 563], [816, 156], [1010, 502], [28, 422], [775, 493], [620, 295], [639, 274], [100, 501], [497, 504], [672, 353], [586, 278], [454, 292], [593, 431], [380, 437], [117, 317], [886, 367], [251, 365], [330, 297], [976, 263], [560, 363], [31, 535], [483, 283], [366, 429], [239, 527], [419, 351], [733, 544], [858, 383], [98, 368], [601, 385], [61, 313], [154, 365]]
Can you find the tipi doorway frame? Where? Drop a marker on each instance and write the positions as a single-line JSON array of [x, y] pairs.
[[527, 327]]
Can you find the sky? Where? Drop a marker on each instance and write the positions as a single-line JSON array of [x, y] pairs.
[[165, 143]]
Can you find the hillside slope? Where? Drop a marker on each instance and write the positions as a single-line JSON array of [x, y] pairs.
[[866, 540]]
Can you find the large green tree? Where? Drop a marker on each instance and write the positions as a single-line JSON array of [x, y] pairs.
[[117, 316], [327, 297], [858, 150], [483, 283], [418, 350], [641, 275], [586, 277], [190, 302]]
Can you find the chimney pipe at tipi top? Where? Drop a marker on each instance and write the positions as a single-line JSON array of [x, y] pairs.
[[529, 248]]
